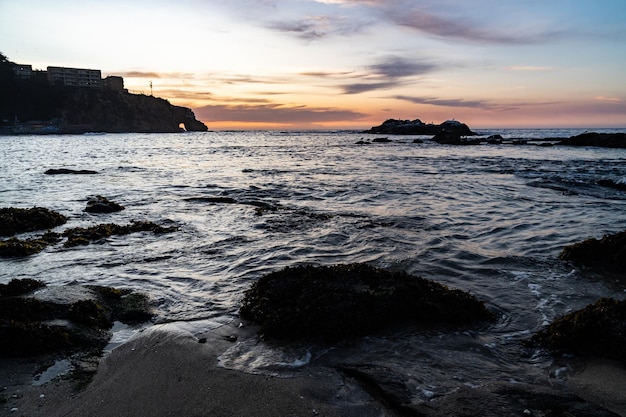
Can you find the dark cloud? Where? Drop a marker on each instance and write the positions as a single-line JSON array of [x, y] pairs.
[[274, 113], [389, 72], [365, 87], [461, 28], [319, 26], [476, 104], [397, 67]]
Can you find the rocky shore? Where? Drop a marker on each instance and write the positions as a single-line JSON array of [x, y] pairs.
[[453, 132], [165, 370]]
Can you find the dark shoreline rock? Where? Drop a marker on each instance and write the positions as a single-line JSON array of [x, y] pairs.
[[76, 236], [36, 319], [99, 204], [343, 301], [84, 235], [598, 329], [66, 171], [608, 253], [19, 220]]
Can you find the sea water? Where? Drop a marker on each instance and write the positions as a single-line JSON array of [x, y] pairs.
[[488, 219]]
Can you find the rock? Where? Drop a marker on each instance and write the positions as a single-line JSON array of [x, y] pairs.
[[605, 140], [69, 110], [342, 301], [63, 319], [15, 247], [417, 141], [598, 329], [612, 184], [607, 253], [495, 139], [19, 220], [83, 236], [64, 171], [417, 127], [362, 142], [99, 204], [382, 140]]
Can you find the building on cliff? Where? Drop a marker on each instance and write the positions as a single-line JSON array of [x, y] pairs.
[[71, 77], [75, 77]]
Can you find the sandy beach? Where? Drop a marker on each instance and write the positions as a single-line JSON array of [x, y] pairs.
[[166, 372]]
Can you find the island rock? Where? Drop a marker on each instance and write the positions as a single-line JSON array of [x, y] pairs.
[[417, 127]]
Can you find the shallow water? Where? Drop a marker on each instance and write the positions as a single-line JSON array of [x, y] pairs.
[[486, 219]]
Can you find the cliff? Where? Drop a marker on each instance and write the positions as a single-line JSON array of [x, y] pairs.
[[35, 106]]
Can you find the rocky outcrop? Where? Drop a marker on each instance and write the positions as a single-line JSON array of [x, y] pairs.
[[417, 127], [598, 329], [66, 171], [608, 253], [87, 110], [63, 319], [343, 301], [20, 220], [604, 140], [77, 236], [100, 204]]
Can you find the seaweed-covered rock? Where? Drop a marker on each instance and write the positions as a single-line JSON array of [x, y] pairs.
[[15, 247], [63, 319], [20, 220], [100, 204], [333, 302], [599, 329], [608, 252], [19, 287], [84, 235]]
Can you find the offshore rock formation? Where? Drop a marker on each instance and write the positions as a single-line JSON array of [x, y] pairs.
[[417, 127], [604, 140], [343, 301]]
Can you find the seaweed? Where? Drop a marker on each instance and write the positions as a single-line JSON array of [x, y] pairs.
[[339, 301]]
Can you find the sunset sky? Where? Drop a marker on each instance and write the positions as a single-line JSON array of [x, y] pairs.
[[291, 64]]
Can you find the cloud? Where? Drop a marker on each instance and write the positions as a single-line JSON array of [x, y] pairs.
[[315, 27], [365, 87], [274, 113], [476, 104], [398, 67], [460, 28], [388, 73]]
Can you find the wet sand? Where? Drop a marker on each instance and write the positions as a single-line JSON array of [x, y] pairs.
[[163, 372]]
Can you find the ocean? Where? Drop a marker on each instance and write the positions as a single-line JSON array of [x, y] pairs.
[[488, 219]]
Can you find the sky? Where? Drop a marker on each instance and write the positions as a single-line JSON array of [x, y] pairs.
[[335, 64]]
